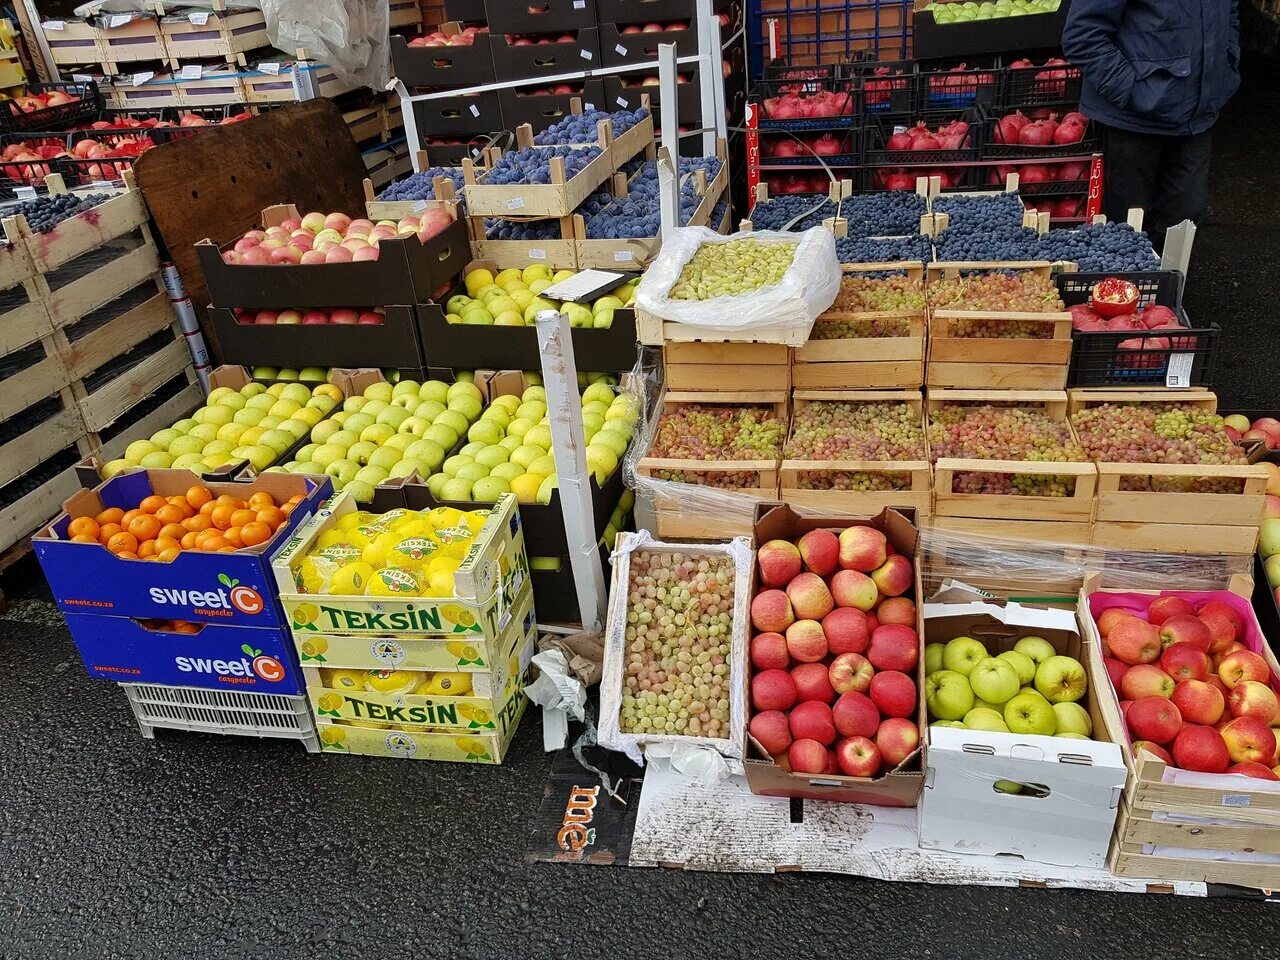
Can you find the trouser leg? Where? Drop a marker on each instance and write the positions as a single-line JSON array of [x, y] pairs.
[[1130, 173], [1183, 185]]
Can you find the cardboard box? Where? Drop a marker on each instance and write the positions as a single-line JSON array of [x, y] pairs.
[[487, 585], [390, 344], [1070, 789], [218, 657], [899, 787], [404, 745], [226, 588], [512, 62], [471, 654], [461, 66], [549, 16]]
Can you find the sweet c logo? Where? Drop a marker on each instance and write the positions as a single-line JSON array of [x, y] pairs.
[[268, 668], [245, 599]]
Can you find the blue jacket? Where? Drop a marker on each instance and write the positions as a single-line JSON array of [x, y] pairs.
[[1155, 66]]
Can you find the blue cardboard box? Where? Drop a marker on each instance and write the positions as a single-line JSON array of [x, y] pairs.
[[217, 656], [226, 588]]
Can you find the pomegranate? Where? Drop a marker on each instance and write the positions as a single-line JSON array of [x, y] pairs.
[[900, 181], [1035, 173], [900, 141], [1157, 317], [1114, 297], [827, 145], [1076, 170], [1069, 132], [1037, 134], [1082, 313]]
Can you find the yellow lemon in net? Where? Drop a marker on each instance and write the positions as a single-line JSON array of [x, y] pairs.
[[394, 582], [445, 685], [443, 517], [351, 580], [458, 534], [307, 577], [359, 537], [329, 701], [314, 646], [352, 680], [332, 736], [411, 553], [375, 554], [354, 519], [476, 520], [330, 537], [444, 563], [413, 526], [391, 682], [441, 583]]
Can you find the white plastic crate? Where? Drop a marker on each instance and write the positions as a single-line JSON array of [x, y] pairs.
[[197, 710]]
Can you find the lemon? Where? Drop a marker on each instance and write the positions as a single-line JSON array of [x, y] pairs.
[[332, 736], [457, 533], [445, 685], [476, 520], [443, 517], [354, 519], [391, 682], [417, 526], [411, 553], [444, 563], [330, 537], [359, 537], [351, 580], [375, 554], [308, 577], [352, 680], [441, 583], [393, 582]]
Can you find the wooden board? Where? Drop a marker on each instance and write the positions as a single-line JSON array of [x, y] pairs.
[[1033, 531], [1080, 398], [110, 401], [217, 185], [57, 433]]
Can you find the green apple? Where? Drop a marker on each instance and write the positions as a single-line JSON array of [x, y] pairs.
[[982, 718], [393, 416], [506, 471], [384, 458], [467, 407], [994, 680], [485, 431], [400, 442], [488, 489], [1032, 691], [427, 452], [361, 451], [1061, 679], [429, 409], [345, 438], [601, 461], [342, 470], [933, 658], [375, 433], [543, 466], [360, 490], [454, 420], [435, 483], [1037, 648], [948, 695], [456, 489], [1007, 786], [1024, 665], [471, 471], [962, 654], [492, 456], [441, 434], [371, 475], [1027, 714], [1072, 718], [379, 391], [548, 487]]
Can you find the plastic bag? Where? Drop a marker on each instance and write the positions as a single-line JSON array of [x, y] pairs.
[[780, 313]]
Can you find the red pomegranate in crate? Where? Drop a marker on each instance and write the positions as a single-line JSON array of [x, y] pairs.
[[1114, 297]]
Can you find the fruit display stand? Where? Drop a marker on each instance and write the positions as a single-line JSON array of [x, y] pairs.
[[813, 484], [863, 362], [1179, 824], [1037, 360], [1050, 519], [1131, 515]]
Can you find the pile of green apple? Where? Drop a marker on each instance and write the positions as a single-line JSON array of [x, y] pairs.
[[1030, 689], [511, 299], [957, 12], [288, 374], [256, 423], [390, 431], [508, 449]]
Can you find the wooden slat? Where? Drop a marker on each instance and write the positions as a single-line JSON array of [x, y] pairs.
[[109, 402], [23, 326], [727, 377], [25, 452], [35, 383], [767, 354], [999, 376], [88, 293], [16, 264], [888, 373], [118, 336], [1035, 531], [1175, 537], [1129, 861], [1244, 508], [87, 231], [1077, 506], [1052, 402], [168, 413], [1199, 398], [25, 516]]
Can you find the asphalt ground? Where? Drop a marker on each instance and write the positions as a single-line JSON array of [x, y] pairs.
[[198, 847]]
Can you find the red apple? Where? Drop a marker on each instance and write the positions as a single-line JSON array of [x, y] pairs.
[[1199, 702], [894, 694], [812, 720], [806, 642], [820, 551], [894, 647], [1146, 680], [898, 610], [858, 757], [1162, 608], [849, 588], [773, 690], [894, 577], [1154, 748], [1115, 670], [1181, 628], [862, 549], [855, 715], [812, 683], [846, 630], [1155, 719], [807, 756], [772, 731], [779, 563], [1109, 618], [1248, 738], [809, 596], [771, 611], [1255, 770], [1201, 749], [850, 672], [1184, 661], [897, 739], [1249, 698], [769, 652], [1240, 666], [1134, 641]]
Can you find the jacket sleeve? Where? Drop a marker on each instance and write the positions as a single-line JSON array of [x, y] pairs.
[[1088, 41], [1233, 36]]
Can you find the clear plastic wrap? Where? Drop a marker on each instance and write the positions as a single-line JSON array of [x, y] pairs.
[[781, 312], [612, 736]]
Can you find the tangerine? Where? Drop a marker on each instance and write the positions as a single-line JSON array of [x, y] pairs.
[[255, 532], [207, 507], [169, 555], [232, 536], [216, 542], [243, 516], [167, 543], [84, 538], [144, 527], [197, 523], [188, 540], [227, 549], [84, 527], [123, 542], [110, 515], [170, 514], [129, 515], [174, 530], [107, 531], [152, 503], [198, 496], [181, 503], [234, 502], [221, 515], [127, 555], [146, 549], [261, 500], [272, 516]]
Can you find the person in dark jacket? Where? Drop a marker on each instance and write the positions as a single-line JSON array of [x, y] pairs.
[[1155, 75]]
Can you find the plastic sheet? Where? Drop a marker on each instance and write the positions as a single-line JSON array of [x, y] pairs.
[[807, 289]]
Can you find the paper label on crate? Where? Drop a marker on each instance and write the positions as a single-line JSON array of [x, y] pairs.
[[585, 54], [192, 71], [620, 50], [271, 68], [139, 79], [118, 20], [579, 4], [54, 25], [24, 193], [515, 203], [1178, 373], [589, 106], [103, 185], [1236, 800], [622, 102], [475, 111], [81, 78], [537, 253], [199, 18], [623, 256], [420, 206]]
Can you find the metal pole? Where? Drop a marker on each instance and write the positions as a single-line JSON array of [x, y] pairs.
[[668, 193], [670, 110]]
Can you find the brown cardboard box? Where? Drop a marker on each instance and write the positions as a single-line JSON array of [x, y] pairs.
[[900, 787]]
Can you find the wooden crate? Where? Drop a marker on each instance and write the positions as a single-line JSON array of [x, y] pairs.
[[78, 235], [1216, 815], [681, 516], [35, 372], [1039, 532], [387, 162], [865, 362], [73, 42], [559, 198], [123, 41], [223, 35], [55, 426], [215, 87], [376, 209], [404, 13], [1082, 397], [279, 82], [139, 92], [559, 254], [918, 496], [1076, 507], [727, 367]]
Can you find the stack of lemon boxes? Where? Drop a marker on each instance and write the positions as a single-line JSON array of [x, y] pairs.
[[414, 628]]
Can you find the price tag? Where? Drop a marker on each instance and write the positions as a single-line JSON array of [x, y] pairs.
[[1178, 373], [192, 71], [103, 185], [585, 54], [589, 106], [118, 20], [475, 111], [25, 193], [622, 102], [1236, 800], [199, 18], [537, 253], [420, 206], [579, 4], [620, 50], [515, 203], [140, 78], [623, 256], [54, 25], [271, 68]]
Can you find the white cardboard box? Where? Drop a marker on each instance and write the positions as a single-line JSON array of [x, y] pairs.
[[1066, 811]]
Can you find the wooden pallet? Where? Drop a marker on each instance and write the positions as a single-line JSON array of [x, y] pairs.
[[919, 494], [224, 34], [866, 362], [61, 430], [726, 367]]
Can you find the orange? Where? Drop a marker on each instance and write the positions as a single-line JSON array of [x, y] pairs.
[[181, 503], [272, 516], [110, 515], [235, 502], [144, 527], [83, 526], [214, 543], [188, 540], [241, 517], [182, 626], [147, 549], [198, 496], [170, 514], [232, 536], [129, 515], [255, 532], [174, 530], [152, 503], [261, 500], [127, 555], [227, 549], [221, 515], [168, 556], [107, 531], [295, 499], [204, 535], [84, 538], [167, 543], [123, 542], [198, 522]]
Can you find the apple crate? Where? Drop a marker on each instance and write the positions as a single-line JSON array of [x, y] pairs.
[[383, 740], [870, 362], [550, 16], [620, 48], [912, 477], [539, 109], [487, 586], [217, 34], [736, 482], [512, 61], [1037, 362], [127, 38], [1180, 824]]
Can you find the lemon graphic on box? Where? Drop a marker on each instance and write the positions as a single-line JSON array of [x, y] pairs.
[[329, 704], [333, 737], [314, 648], [391, 682], [461, 617], [445, 684], [466, 654], [352, 680], [477, 715], [304, 616], [473, 748], [307, 577]]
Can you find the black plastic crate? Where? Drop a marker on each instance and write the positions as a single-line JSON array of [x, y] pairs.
[[801, 154], [877, 179], [959, 88], [513, 60], [1088, 145], [460, 66], [1266, 604], [885, 87], [88, 108], [1099, 360], [530, 16], [932, 40], [619, 48], [455, 116], [653, 11], [540, 109], [839, 110], [1030, 87], [879, 130]]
